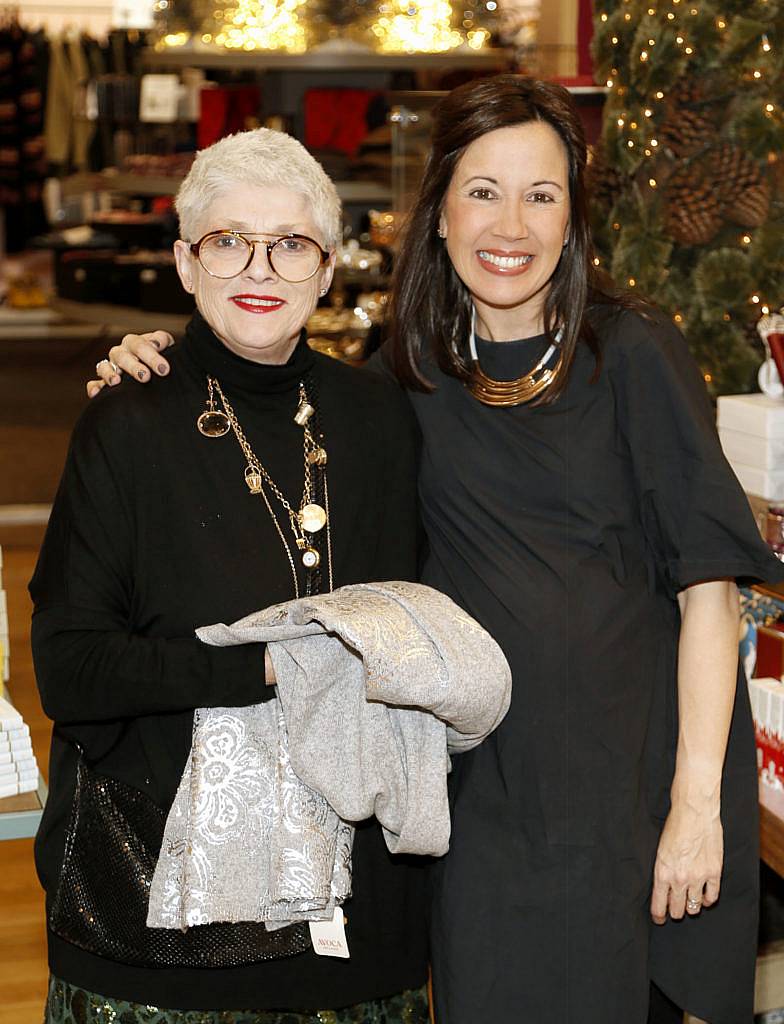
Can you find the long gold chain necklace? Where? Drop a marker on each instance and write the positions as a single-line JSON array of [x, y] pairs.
[[311, 517], [504, 393]]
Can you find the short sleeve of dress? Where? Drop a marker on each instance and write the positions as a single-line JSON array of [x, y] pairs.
[[697, 520]]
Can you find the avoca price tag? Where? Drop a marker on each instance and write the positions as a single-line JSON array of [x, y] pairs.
[[329, 937]]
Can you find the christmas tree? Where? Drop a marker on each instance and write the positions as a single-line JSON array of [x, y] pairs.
[[688, 177]]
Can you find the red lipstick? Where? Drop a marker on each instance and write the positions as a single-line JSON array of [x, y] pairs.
[[258, 303]]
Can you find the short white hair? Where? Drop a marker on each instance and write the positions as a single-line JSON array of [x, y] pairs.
[[260, 157]]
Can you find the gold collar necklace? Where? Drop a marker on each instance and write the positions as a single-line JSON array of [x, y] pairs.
[[503, 393], [311, 517]]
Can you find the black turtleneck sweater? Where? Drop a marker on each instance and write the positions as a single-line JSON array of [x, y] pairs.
[[153, 533]]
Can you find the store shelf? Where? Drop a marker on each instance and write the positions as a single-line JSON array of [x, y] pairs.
[[326, 60], [20, 815], [128, 184], [167, 185], [124, 319]]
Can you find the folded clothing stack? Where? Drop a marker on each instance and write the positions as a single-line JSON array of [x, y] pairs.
[[18, 767]]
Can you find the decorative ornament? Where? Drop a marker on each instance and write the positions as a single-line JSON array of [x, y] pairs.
[[771, 373]]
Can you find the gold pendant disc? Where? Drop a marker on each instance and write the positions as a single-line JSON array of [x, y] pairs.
[[312, 518], [213, 424]]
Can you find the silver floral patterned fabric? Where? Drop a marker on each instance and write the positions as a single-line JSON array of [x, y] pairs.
[[245, 840], [376, 683]]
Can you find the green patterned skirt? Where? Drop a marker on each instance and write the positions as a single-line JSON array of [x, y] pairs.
[[67, 1004]]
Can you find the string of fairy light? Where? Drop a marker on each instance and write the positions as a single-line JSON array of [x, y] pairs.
[[400, 26], [259, 25], [424, 26], [638, 130]]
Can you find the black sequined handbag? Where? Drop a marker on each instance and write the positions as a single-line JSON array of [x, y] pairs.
[[111, 849]]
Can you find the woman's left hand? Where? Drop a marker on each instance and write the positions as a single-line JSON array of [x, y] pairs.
[[687, 873]]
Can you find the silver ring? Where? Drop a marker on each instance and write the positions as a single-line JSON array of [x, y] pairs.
[[693, 904], [114, 366]]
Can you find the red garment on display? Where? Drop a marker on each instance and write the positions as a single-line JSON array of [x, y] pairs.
[[224, 111], [584, 37], [337, 118]]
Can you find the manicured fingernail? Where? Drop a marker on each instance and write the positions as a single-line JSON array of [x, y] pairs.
[[141, 374], [163, 369]]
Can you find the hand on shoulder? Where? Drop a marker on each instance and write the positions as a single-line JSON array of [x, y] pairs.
[[137, 355]]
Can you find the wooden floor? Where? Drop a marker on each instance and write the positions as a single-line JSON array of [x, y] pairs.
[[23, 969]]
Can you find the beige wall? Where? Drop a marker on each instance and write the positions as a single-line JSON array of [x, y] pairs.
[[96, 15], [56, 15], [558, 38]]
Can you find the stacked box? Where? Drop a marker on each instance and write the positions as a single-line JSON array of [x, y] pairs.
[[751, 430], [18, 766]]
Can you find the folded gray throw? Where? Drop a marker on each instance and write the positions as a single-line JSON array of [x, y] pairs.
[[376, 684]]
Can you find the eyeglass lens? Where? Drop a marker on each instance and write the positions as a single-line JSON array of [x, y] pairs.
[[226, 255]]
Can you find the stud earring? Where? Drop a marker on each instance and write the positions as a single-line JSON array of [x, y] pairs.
[[323, 292]]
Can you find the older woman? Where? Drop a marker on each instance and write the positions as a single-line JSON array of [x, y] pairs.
[[577, 503], [260, 472]]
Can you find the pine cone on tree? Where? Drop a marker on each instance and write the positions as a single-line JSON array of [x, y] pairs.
[[603, 181], [732, 171], [777, 176], [686, 132], [687, 90], [752, 206], [692, 211]]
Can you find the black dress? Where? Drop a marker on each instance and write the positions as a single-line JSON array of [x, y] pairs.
[[153, 533], [567, 531]]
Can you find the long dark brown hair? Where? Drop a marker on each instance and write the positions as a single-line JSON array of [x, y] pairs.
[[431, 308]]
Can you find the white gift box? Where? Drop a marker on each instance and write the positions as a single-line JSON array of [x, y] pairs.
[[764, 483], [14, 771], [757, 415], [17, 748], [9, 716], [16, 731], [763, 453]]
